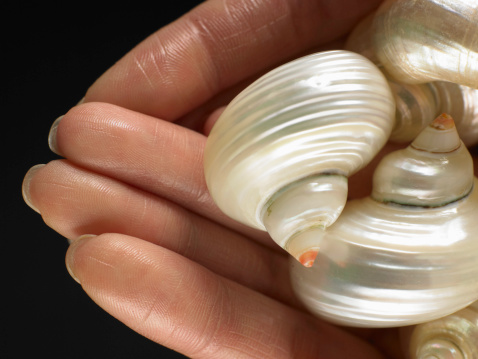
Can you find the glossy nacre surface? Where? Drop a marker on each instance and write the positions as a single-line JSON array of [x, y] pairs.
[[325, 114], [279, 157], [417, 104], [420, 41], [407, 254], [454, 336]]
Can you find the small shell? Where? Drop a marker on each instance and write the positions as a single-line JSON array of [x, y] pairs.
[[454, 336], [419, 41], [418, 104], [323, 116], [408, 255], [436, 169], [461, 102]]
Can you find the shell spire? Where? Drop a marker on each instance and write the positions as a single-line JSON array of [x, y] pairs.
[[453, 336], [434, 170]]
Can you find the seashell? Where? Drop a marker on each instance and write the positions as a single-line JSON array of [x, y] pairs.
[[420, 41], [418, 104], [454, 336], [279, 156], [406, 254], [460, 102]]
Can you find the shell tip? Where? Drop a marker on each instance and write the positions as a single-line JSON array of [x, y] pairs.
[[443, 122], [307, 258], [440, 136]]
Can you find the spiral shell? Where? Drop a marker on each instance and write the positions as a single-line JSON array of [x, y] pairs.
[[302, 129], [407, 254], [420, 41], [454, 336], [461, 102], [418, 104]]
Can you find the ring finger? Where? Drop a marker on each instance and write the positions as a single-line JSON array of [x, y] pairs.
[[85, 202]]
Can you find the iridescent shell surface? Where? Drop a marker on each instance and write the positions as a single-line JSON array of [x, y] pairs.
[[454, 336], [329, 112], [418, 103], [419, 41], [407, 255], [279, 157]]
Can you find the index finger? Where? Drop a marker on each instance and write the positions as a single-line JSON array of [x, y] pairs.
[[216, 45]]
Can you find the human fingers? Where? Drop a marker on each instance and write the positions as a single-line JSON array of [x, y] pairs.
[[184, 306], [217, 45], [74, 201], [196, 118], [156, 156]]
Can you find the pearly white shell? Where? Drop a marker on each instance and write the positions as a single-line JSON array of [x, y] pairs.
[[418, 104], [323, 114], [461, 102], [420, 41], [454, 336], [389, 261]]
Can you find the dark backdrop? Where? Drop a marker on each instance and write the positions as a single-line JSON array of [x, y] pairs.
[[50, 57]]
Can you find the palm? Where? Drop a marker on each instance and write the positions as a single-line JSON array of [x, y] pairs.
[[168, 263]]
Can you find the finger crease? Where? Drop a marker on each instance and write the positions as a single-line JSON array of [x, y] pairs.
[[143, 71]]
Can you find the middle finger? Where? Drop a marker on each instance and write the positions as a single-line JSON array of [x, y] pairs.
[[153, 155], [86, 202]]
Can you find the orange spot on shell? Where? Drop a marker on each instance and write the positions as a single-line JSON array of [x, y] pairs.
[[443, 122], [307, 258]]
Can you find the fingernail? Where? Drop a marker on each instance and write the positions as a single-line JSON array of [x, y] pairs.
[[70, 254], [26, 186], [52, 142]]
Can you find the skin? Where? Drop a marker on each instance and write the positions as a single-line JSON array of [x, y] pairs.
[[162, 258]]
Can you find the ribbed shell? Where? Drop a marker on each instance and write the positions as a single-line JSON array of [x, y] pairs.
[[418, 103], [420, 41], [329, 112], [454, 336], [407, 254], [434, 170], [385, 265]]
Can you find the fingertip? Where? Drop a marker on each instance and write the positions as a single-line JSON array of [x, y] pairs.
[[70, 258], [52, 136], [26, 186]]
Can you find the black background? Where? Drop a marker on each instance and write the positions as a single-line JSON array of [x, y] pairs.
[[50, 57]]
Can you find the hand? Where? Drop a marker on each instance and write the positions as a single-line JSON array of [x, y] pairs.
[[165, 260]]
